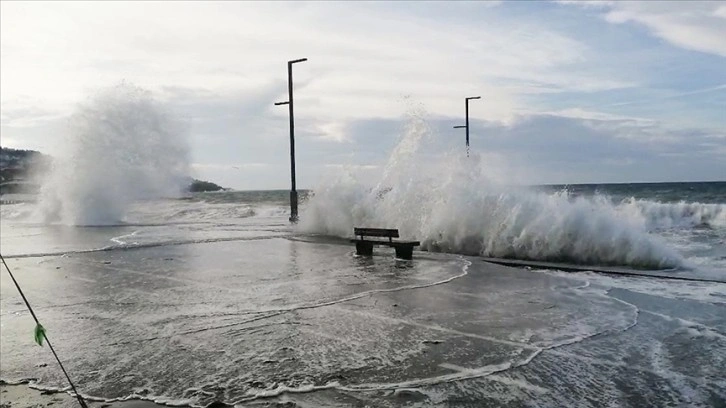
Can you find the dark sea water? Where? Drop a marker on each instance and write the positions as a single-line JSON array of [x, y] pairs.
[[713, 192]]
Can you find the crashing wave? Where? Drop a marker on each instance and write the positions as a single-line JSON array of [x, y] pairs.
[[451, 205]]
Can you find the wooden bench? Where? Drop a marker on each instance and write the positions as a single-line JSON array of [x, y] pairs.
[[404, 249]]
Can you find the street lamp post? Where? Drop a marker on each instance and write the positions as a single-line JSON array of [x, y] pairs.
[[466, 103], [289, 102]]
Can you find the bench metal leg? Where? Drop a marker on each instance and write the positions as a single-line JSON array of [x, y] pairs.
[[364, 248], [404, 252]]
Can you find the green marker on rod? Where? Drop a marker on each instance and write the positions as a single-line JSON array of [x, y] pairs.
[[39, 334]]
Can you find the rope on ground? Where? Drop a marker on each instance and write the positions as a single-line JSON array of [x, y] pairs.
[[40, 335]]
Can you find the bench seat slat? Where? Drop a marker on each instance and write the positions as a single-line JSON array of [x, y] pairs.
[[376, 232], [387, 243]]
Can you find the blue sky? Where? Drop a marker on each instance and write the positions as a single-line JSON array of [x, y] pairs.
[[572, 91]]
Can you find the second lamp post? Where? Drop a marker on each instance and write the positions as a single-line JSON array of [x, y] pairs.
[[467, 122]]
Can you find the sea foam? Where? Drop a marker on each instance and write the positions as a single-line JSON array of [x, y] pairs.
[[121, 147]]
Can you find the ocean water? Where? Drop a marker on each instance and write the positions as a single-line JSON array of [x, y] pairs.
[[216, 297], [679, 226]]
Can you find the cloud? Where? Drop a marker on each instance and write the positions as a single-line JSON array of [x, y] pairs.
[[558, 149], [238, 166], [571, 147], [339, 166], [716, 88], [579, 78], [696, 25], [27, 112], [362, 57]]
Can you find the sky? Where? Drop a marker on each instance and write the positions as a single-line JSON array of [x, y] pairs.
[[572, 92]]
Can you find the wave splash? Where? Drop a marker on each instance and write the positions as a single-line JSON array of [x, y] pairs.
[[122, 147], [655, 215], [450, 204]]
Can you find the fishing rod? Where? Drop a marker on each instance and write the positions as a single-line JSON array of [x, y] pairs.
[[40, 335]]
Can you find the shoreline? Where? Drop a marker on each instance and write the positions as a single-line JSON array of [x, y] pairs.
[[16, 395]]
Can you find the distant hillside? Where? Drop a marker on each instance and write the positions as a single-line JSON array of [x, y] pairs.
[[18, 168], [199, 186], [16, 164]]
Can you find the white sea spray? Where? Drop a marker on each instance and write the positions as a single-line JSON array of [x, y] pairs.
[[121, 147]]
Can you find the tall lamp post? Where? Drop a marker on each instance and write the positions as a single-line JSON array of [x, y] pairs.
[[467, 122], [289, 102]]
